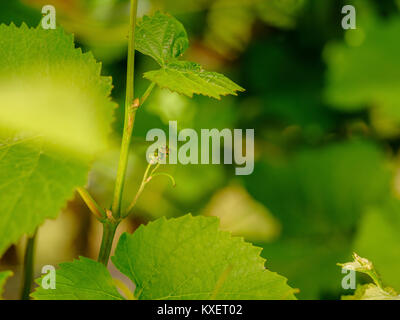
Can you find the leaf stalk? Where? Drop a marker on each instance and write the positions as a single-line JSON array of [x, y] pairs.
[[141, 188], [146, 94], [92, 204], [28, 267]]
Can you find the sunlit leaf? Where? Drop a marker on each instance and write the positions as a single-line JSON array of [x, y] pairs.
[[176, 259], [164, 39], [371, 291], [49, 88], [82, 279], [189, 258], [55, 116], [161, 37], [189, 78]]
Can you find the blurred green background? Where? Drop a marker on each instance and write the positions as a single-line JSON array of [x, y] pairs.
[[325, 106]]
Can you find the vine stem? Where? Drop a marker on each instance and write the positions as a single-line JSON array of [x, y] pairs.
[[109, 229], [28, 267], [131, 106], [130, 114]]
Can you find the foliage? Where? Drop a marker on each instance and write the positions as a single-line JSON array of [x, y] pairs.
[[82, 279], [164, 39], [184, 258], [50, 134], [46, 154], [323, 102], [371, 291]]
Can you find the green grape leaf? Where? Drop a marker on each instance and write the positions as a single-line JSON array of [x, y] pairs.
[[370, 291], [3, 278], [50, 88], [188, 78], [164, 38], [189, 258], [362, 265], [82, 279], [34, 185], [184, 258], [161, 37], [55, 116], [358, 264]]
